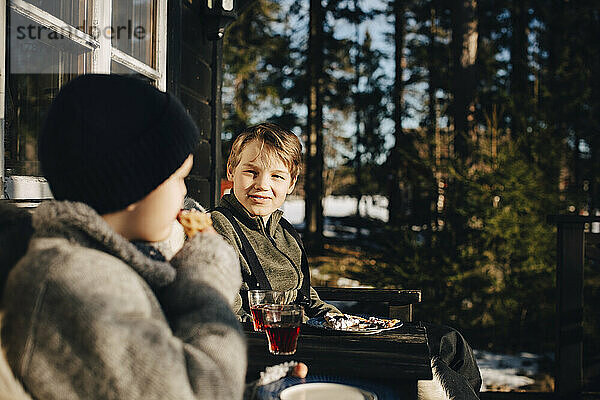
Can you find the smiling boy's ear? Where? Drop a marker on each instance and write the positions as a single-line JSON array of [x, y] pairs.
[[292, 185], [229, 175]]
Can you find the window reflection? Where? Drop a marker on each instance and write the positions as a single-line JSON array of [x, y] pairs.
[[37, 69], [74, 12], [134, 28]]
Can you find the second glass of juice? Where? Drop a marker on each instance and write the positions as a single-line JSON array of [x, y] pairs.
[[257, 299]]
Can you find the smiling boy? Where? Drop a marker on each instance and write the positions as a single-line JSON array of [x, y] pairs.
[[261, 184], [264, 165]]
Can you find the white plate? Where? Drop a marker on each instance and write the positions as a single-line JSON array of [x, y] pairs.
[[325, 391]]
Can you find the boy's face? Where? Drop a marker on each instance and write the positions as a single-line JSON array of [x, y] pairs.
[[260, 184], [152, 217]]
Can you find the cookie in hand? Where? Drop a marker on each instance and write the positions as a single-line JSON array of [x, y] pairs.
[[194, 221]]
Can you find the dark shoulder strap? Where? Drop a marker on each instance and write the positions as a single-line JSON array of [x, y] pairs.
[[258, 278], [305, 287]]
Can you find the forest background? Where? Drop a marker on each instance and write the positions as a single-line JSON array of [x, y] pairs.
[[475, 119]]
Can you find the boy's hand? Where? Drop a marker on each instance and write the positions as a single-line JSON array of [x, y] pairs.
[[276, 372], [300, 370]]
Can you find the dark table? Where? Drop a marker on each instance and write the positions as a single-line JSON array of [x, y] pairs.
[[395, 359]]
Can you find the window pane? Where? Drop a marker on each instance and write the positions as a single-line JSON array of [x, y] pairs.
[[37, 69], [74, 12], [134, 28], [120, 69]]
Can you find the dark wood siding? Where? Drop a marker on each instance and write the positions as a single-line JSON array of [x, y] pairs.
[[194, 75]]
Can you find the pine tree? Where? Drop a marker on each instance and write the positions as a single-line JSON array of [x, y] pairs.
[[250, 63], [371, 108]]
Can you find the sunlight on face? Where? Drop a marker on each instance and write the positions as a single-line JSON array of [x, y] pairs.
[[152, 217], [260, 183]]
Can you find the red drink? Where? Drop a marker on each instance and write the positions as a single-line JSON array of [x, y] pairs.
[[282, 324], [257, 300], [282, 339], [257, 317]]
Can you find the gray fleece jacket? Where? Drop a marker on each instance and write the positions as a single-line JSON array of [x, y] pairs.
[[88, 316], [276, 250]]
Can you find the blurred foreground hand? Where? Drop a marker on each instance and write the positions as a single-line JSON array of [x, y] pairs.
[[276, 372]]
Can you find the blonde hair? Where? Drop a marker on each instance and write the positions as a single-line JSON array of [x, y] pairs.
[[275, 141]]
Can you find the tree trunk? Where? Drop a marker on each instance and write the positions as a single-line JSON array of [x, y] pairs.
[[395, 197], [464, 54], [434, 137], [557, 56], [518, 79], [431, 92], [357, 113], [313, 186]]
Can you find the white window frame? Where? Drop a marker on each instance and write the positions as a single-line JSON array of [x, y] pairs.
[[21, 187], [2, 91]]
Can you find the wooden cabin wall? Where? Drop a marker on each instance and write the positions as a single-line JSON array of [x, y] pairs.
[[194, 75]]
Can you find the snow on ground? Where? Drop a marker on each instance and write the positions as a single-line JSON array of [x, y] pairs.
[[506, 371], [338, 206], [497, 370]]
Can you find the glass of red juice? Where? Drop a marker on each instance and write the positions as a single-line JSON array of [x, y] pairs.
[[257, 299], [282, 325]]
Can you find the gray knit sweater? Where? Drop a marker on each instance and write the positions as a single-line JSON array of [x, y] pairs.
[[88, 316]]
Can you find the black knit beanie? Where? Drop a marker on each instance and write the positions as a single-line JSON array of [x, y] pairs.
[[110, 140]]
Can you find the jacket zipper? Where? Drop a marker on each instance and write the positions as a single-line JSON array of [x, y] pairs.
[[297, 270]]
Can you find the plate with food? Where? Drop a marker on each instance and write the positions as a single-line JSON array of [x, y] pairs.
[[353, 323]]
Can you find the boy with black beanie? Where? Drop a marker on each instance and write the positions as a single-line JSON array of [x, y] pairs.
[[87, 314]]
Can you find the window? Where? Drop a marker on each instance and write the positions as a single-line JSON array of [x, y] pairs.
[[52, 41]]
